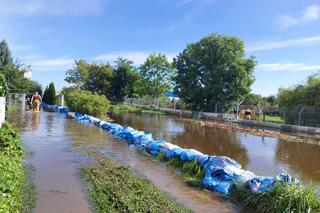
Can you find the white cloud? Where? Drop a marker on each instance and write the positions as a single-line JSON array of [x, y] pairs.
[[288, 67], [50, 7], [47, 64], [138, 57], [310, 14], [305, 41]]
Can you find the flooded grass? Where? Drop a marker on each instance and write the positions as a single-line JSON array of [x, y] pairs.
[[16, 192], [115, 189]]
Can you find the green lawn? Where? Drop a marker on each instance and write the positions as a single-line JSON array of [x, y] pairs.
[[273, 119]]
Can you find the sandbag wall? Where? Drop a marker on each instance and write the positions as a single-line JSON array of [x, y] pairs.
[[221, 173]]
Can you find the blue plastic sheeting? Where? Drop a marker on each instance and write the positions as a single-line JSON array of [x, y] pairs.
[[266, 184], [221, 173]]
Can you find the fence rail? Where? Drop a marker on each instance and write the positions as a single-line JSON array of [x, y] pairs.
[[302, 115]]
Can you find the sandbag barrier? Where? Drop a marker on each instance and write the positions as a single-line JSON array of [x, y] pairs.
[[221, 173]]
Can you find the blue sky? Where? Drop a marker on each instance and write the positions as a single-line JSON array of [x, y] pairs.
[[283, 35]]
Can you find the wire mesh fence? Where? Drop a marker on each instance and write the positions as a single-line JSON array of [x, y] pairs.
[[302, 116]]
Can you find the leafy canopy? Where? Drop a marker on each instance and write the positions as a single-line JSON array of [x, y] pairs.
[[158, 72], [213, 70]]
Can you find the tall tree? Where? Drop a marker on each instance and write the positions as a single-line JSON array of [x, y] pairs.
[[99, 79], [45, 95], [95, 78], [51, 94], [213, 70], [159, 72], [5, 54], [124, 78]]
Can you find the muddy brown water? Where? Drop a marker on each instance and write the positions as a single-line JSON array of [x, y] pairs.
[[58, 147], [262, 155]]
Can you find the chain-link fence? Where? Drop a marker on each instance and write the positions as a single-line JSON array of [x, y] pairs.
[[16, 101], [303, 116]]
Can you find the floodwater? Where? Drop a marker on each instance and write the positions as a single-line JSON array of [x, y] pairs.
[[262, 155], [58, 146]]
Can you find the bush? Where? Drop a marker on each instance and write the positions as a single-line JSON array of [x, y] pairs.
[[87, 103], [12, 174]]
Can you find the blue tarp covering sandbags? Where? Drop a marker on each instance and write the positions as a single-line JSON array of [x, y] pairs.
[[221, 173]]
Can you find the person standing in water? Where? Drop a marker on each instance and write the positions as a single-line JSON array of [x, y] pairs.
[[36, 101]]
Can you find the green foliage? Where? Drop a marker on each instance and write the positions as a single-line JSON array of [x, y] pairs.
[[3, 86], [95, 78], [292, 99], [213, 70], [306, 94], [113, 82], [253, 99], [158, 72], [5, 54], [51, 97], [115, 189], [87, 103], [45, 95], [124, 78], [12, 175], [14, 73], [283, 199]]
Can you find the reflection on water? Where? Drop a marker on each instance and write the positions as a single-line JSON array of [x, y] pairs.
[[262, 155], [58, 145], [35, 121]]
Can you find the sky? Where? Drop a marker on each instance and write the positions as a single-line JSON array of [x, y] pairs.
[[283, 35]]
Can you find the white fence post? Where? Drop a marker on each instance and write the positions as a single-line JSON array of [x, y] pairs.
[[2, 110]]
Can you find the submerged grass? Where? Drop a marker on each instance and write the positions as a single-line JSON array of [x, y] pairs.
[[115, 189], [16, 193]]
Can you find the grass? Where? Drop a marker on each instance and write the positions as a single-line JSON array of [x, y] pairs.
[[120, 109], [273, 119], [114, 188], [284, 198], [191, 170], [15, 191]]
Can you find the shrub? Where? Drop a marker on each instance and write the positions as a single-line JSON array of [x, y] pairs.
[[12, 174], [3, 86], [87, 103]]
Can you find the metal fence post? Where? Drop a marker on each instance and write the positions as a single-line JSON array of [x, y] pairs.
[[216, 107], [299, 115]]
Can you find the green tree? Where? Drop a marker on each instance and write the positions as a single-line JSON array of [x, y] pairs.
[[306, 95], [5, 54], [99, 79], [95, 78], [14, 73], [3, 86], [51, 94], [271, 100], [159, 72], [124, 78], [45, 95], [213, 70], [253, 99]]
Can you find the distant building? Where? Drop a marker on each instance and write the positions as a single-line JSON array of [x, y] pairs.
[[28, 74]]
